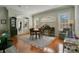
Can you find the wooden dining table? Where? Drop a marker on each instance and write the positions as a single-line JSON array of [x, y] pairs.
[[36, 33]]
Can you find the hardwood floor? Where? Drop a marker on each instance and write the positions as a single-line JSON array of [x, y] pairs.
[[23, 47]]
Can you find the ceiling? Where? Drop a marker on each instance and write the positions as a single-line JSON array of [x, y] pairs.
[[30, 9]]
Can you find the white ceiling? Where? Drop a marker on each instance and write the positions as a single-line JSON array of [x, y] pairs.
[[31, 9]]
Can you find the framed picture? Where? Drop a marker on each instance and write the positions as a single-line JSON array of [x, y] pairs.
[[3, 21]]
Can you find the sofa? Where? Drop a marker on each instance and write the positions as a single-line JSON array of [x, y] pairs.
[[4, 41], [47, 30]]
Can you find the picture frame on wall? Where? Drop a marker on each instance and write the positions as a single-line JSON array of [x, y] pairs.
[[3, 21]]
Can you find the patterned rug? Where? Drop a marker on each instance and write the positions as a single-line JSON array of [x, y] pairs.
[[42, 42]]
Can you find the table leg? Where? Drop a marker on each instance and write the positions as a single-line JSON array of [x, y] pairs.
[[36, 35]]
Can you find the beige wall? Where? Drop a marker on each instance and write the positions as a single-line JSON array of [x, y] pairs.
[[53, 13], [3, 15]]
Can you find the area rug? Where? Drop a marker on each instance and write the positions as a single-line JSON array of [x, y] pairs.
[[39, 42]]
